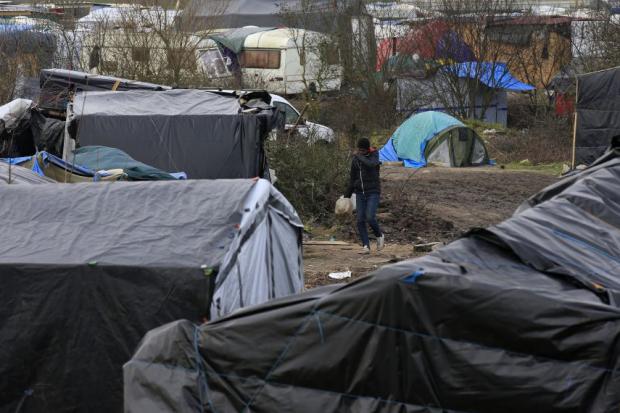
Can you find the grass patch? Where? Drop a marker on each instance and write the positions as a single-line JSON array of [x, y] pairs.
[[554, 168]]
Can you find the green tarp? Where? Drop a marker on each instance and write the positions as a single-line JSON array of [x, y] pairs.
[[102, 157], [234, 39]]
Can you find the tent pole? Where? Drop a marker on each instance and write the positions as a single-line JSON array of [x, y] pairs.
[[575, 122]]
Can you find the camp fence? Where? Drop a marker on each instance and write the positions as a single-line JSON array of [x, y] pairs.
[[87, 269], [207, 135], [522, 317]]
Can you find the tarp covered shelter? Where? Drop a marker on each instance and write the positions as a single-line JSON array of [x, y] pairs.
[[93, 164], [492, 74], [24, 130], [15, 132], [451, 90], [59, 85], [598, 114], [90, 268], [207, 135], [437, 138], [522, 317], [434, 40]]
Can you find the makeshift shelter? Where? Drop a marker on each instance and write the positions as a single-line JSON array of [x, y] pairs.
[[521, 317], [58, 86], [598, 114], [90, 268], [451, 90], [15, 135], [207, 135], [24, 130], [431, 41], [93, 164], [437, 138]]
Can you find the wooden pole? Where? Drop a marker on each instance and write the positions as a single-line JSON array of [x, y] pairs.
[[575, 123]]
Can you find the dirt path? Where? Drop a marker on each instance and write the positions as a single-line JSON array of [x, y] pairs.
[[466, 197], [427, 205]]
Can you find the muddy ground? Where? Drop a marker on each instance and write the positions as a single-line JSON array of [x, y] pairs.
[[423, 206]]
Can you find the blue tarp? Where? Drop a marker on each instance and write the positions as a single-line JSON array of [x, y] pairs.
[[494, 75], [48, 157], [409, 141]]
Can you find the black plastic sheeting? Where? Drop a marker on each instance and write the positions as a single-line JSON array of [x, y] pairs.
[[87, 269], [598, 114], [47, 133], [206, 135], [59, 85], [16, 140], [521, 317], [30, 132]]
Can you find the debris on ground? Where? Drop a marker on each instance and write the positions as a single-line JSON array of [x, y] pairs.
[[339, 275]]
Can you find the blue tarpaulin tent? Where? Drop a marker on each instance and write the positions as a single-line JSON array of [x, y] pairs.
[[492, 74], [434, 137], [487, 101]]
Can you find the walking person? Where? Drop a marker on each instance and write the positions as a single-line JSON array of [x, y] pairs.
[[365, 182]]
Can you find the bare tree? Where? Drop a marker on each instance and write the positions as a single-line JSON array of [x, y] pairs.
[[595, 41], [26, 45], [151, 41]]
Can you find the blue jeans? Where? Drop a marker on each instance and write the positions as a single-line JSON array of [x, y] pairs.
[[367, 205]]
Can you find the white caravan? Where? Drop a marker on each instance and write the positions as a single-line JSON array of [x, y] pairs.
[[270, 59]]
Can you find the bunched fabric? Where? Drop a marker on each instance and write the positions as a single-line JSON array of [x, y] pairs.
[[521, 317]]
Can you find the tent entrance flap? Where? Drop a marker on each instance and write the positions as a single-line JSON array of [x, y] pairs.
[[456, 147]]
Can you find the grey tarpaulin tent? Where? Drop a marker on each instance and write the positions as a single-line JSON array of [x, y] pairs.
[[87, 269], [207, 135], [522, 317], [598, 114]]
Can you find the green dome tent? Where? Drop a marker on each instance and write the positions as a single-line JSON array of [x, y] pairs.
[[437, 138]]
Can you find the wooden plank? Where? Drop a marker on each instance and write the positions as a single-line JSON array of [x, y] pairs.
[[327, 243]]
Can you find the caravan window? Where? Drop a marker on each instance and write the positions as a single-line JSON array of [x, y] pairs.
[[214, 63], [260, 59]]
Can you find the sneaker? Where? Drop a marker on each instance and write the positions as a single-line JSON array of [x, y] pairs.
[[380, 242], [365, 250]]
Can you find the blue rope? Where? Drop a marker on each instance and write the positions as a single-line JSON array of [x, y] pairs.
[[320, 326]]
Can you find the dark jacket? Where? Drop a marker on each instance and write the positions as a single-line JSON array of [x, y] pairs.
[[365, 174]]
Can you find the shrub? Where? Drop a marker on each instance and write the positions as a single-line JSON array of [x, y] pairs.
[[311, 176]]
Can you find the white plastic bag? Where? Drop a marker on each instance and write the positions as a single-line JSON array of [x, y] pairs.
[[339, 275], [344, 206]]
